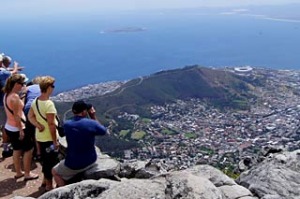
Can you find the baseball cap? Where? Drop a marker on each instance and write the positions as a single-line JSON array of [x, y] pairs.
[[79, 106]]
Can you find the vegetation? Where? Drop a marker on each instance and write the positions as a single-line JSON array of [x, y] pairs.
[[124, 133], [229, 172], [190, 135], [206, 150], [168, 132], [146, 120], [137, 135]]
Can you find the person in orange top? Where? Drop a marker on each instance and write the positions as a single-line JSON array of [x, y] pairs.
[[15, 125]]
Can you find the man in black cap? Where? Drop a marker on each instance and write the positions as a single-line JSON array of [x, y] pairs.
[[80, 134]]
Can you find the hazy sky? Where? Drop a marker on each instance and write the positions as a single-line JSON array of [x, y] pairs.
[[32, 7]]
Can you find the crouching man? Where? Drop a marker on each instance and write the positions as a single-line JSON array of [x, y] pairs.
[[80, 134]]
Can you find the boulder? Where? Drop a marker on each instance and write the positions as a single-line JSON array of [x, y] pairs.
[[141, 169], [217, 177], [84, 189], [106, 167], [196, 182], [235, 191], [278, 176], [184, 184], [135, 188]]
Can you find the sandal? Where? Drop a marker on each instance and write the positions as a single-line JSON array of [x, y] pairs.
[[20, 176], [31, 177], [48, 189]]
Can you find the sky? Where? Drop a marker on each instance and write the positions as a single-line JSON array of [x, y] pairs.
[[50, 7]]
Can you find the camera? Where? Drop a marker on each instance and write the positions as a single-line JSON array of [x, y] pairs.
[[89, 106]]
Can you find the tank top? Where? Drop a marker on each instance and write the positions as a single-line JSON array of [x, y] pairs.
[[10, 121]]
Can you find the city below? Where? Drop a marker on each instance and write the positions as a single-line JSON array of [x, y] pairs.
[[192, 132]]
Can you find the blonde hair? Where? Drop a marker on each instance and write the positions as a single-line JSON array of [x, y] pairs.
[[36, 80], [45, 82], [11, 81]]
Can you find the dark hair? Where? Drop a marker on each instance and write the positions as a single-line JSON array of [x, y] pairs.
[[11, 81], [6, 61]]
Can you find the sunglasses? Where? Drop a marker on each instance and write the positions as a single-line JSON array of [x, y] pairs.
[[21, 83], [52, 86]]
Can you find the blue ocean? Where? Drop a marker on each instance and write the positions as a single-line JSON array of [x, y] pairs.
[[96, 48]]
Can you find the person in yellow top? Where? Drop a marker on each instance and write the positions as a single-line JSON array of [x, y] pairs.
[[42, 115], [15, 126]]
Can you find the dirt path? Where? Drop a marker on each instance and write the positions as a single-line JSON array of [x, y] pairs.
[[9, 187]]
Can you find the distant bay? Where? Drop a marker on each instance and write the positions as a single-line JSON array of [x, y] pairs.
[[106, 47]]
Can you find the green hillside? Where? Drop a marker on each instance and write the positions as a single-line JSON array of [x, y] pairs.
[[218, 87]]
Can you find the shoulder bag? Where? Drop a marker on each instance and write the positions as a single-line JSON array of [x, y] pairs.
[[59, 127], [11, 111]]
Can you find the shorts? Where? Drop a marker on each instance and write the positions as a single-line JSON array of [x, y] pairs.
[[25, 145], [66, 173]]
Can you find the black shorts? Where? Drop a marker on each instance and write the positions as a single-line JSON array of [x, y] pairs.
[[25, 145]]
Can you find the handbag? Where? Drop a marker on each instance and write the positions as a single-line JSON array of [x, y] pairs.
[[59, 126]]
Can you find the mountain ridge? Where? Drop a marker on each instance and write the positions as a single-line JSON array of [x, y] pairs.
[[215, 85]]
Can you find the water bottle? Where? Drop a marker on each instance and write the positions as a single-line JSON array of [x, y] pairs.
[[50, 149]]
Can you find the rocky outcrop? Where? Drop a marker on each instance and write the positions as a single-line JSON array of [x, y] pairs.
[[201, 181], [142, 169], [278, 176], [106, 167]]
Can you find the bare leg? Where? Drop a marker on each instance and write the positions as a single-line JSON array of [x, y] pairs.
[[38, 148], [5, 139], [59, 181], [17, 162], [4, 135], [27, 165], [49, 184]]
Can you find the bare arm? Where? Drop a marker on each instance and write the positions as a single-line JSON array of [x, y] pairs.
[[16, 103], [52, 127], [15, 68], [33, 120], [92, 115]]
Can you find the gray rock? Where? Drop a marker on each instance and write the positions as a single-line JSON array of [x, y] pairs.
[[234, 191], [141, 169], [272, 197], [184, 184], [246, 163], [278, 176], [129, 168], [179, 184], [217, 177], [84, 189], [106, 167], [136, 188], [151, 169]]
